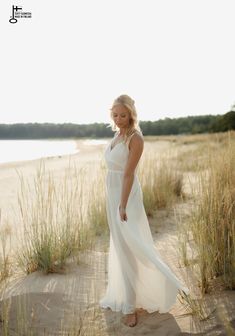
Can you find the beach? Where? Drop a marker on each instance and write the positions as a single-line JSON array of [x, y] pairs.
[[72, 296]]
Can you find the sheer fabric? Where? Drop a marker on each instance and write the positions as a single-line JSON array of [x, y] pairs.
[[137, 275]]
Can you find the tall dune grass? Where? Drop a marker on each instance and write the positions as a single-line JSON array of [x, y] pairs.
[[212, 220], [62, 217], [186, 139], [194, 159], [97, 201], [162, 185], [5, 247], [54, 220]]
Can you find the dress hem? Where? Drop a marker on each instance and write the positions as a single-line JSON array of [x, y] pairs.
[[149, 310]]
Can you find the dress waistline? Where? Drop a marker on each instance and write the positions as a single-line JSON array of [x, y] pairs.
[[118, 171]]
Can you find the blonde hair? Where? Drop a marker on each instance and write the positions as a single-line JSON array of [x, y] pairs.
[[129, 103]]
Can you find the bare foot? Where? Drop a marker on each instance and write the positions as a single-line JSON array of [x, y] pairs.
[[131, 319]]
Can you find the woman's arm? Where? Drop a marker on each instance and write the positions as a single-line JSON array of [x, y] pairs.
[[135, 152]]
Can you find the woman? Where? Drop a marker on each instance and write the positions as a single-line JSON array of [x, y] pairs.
[[137, 276]]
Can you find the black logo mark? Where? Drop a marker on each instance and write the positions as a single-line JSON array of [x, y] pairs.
[[14, 8], [17, 13]]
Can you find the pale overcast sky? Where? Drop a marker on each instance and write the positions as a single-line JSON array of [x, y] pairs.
[[72, 58]]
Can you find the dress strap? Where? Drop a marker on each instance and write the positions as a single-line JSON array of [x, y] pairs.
[[129, 139]]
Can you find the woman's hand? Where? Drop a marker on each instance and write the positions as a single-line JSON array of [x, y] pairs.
[[122, 212]]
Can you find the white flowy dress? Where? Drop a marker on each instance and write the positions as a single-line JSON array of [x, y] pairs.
[[137, 275]]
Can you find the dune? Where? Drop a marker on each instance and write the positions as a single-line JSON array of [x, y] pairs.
[[46, 304]]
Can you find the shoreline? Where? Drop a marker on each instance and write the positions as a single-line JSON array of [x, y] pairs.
[[80, 145], [57, 165], [82, 285]]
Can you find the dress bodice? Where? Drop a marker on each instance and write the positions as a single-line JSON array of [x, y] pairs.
[[116, 157]]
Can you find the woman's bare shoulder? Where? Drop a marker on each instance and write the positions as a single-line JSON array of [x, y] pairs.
[[136, 139], [138, 135]]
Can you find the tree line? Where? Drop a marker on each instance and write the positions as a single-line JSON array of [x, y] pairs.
[[166, 126]]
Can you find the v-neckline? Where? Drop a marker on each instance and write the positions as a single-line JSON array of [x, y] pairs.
[[111, 149]]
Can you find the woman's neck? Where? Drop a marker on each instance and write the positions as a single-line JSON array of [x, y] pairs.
[[122, 132]]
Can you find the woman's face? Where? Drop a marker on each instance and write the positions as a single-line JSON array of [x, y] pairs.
[[121, 116]]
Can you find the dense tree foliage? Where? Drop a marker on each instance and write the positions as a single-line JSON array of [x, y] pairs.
[[167, 126], [225, 122]]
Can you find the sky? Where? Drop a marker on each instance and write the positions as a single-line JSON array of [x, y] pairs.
[[69, 62]]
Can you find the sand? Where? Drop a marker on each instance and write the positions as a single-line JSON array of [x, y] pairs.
[[55, 302]]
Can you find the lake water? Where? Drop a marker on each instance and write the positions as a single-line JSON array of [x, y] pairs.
[[22, 150]]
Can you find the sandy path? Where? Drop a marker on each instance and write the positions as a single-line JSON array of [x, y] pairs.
[[48, 300], [63, 297]]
